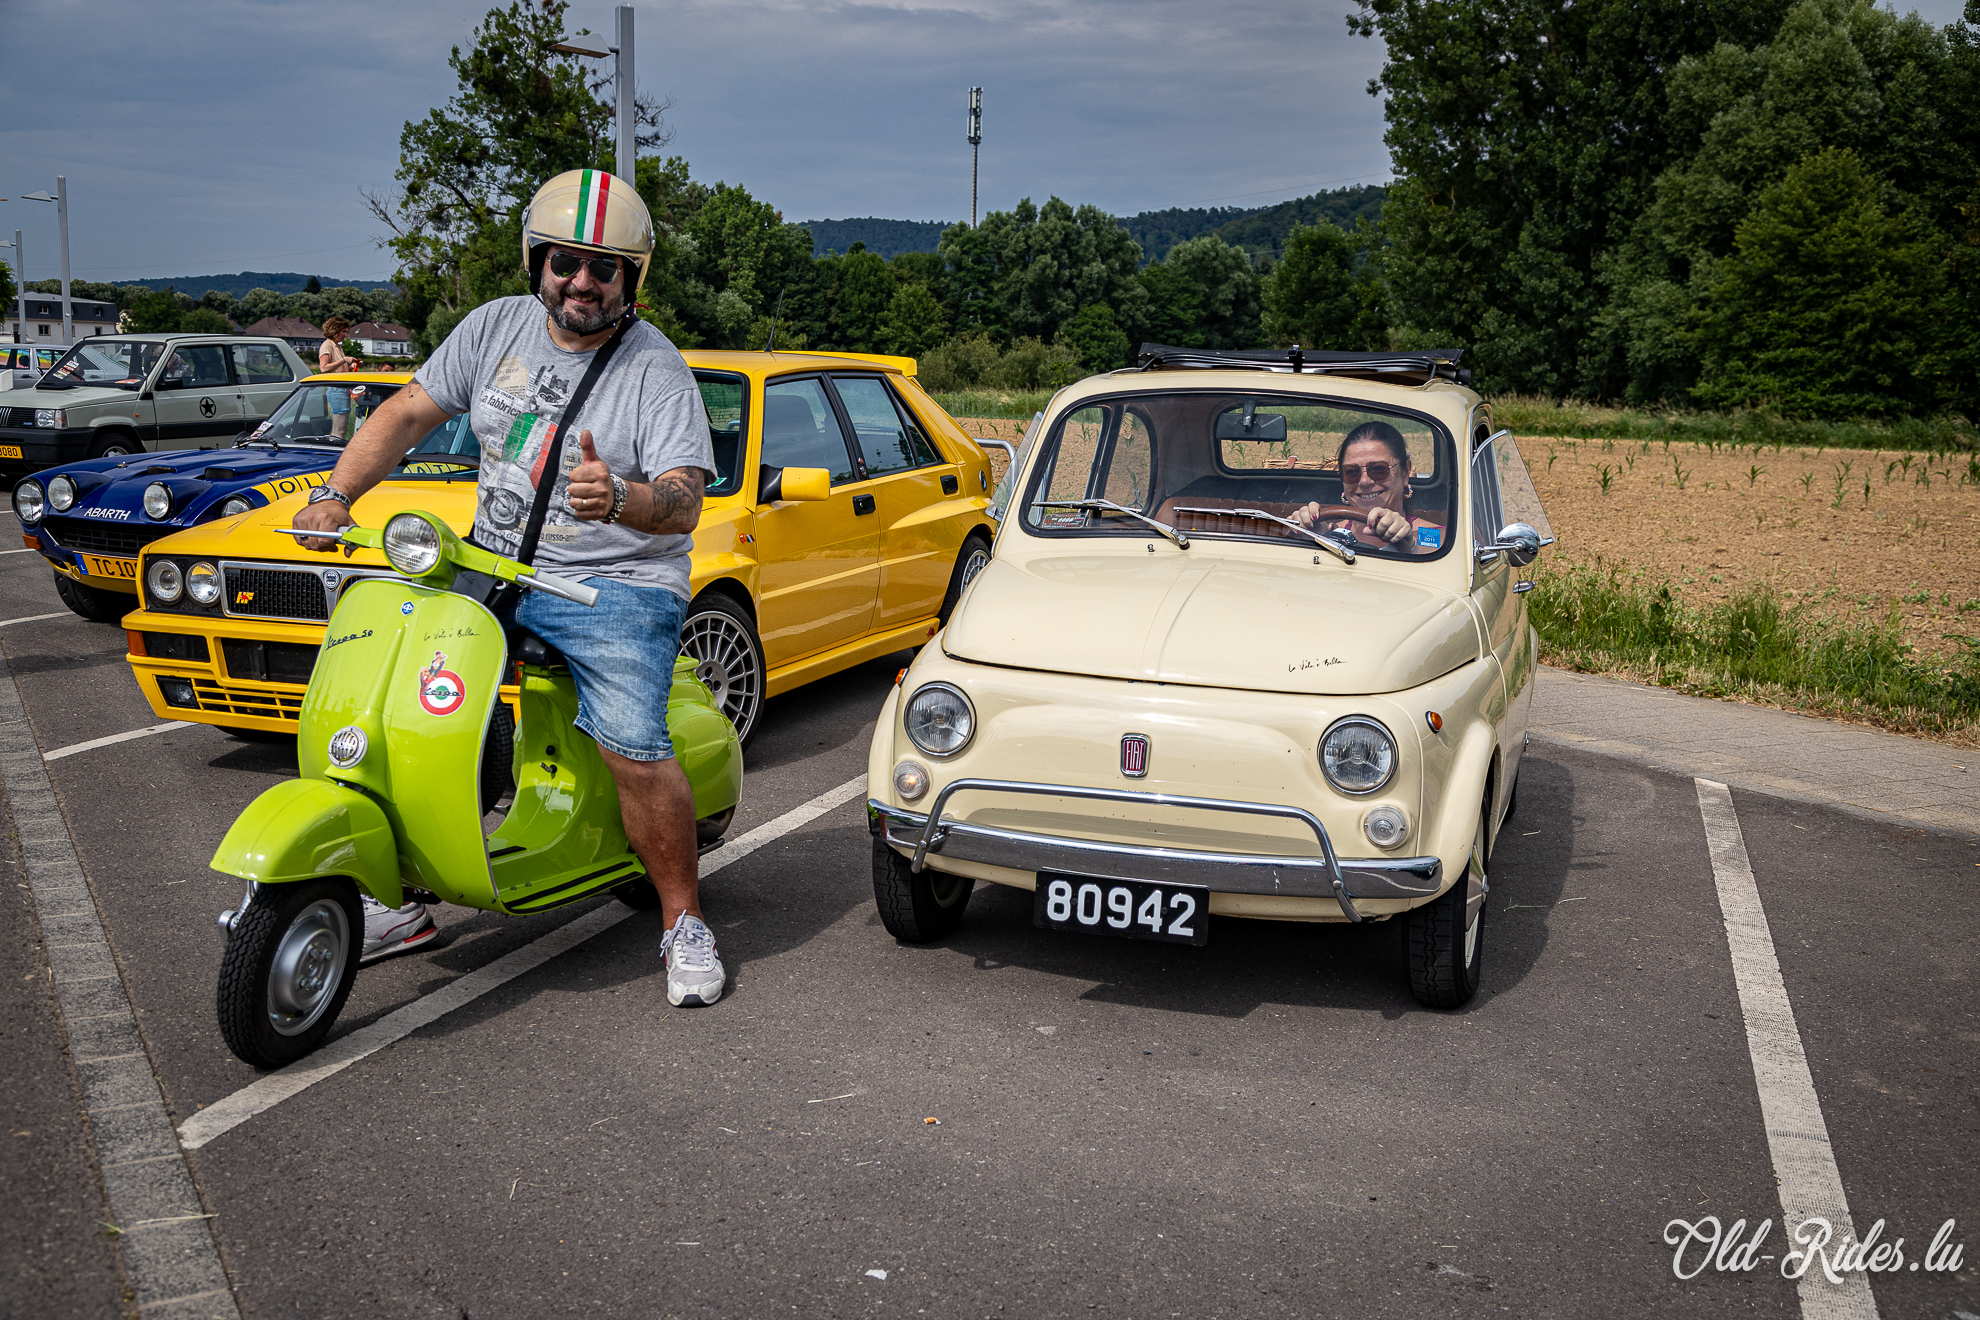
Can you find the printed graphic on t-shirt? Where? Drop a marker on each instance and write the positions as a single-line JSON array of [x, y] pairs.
[[512, 468]]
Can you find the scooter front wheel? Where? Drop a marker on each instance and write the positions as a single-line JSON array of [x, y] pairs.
[[291, 958]]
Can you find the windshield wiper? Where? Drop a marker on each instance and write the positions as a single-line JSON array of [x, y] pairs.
[[1318, 538], [1182, 542]]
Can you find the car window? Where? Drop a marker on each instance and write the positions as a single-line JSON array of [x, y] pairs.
[[886, 442], [1072, 463], [123, 363], [198, 367], [325, 414], [722, 399], [1487, 516], [260, 364], [1129, 464], [801, 429]]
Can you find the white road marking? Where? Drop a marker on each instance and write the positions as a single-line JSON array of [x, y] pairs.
[[20, 552], [94, 743], [1797, 1138], [226, 1114], [32, 618]]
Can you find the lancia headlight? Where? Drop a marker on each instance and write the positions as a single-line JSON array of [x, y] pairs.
[[412, 544], [61, 494], [347, 746], [157, 500], [29, 502], [910, 780], [56, 418], [239, 504], [940, 720], [203, 583], [165, 581], [1357, 755], [1386, 826]]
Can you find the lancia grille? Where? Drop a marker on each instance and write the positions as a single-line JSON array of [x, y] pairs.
[[275, 593]]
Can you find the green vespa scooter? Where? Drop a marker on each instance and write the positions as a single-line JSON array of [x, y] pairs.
[[388, 802]]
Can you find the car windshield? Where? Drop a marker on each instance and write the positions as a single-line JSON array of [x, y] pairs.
[[323, 414], [120, 363], [449, 452], [1261, 466], [722, 397]]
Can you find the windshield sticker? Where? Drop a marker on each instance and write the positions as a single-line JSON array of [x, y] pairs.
[[440, 689], [1430, 536]]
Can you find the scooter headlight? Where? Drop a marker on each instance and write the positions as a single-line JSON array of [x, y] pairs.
[[157, 500], [940, 720], [29, 502], [165, 581], [61, 494], [203, 583], [347, 747], [412, 544]]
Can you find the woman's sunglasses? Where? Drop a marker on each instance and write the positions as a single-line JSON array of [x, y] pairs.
[[1351, 472], [564, 265]]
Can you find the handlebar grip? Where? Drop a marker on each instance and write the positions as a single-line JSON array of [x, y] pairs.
[[575, 592]]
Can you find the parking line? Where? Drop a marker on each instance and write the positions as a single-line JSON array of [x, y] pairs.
[[257, 1097], [31, 618], [94, 743], [1797, 1138], [20, 552]]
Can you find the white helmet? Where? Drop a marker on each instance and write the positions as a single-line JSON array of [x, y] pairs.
[[592, 210]]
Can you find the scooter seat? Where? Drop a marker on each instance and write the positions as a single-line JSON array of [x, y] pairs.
[[525, 647]]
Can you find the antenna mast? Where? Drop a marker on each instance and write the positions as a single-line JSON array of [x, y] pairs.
[[975, 141]]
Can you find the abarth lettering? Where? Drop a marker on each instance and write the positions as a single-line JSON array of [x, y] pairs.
[[120, 514]]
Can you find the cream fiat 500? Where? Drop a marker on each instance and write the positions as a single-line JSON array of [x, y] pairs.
[[1252, 643]]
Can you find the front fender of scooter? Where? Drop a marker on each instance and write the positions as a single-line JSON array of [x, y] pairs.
[[303, 829]]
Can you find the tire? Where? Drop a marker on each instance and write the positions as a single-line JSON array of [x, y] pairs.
[[1444, 956], [115, 445], [917, 908], [498, 757], [728, 657], [93, 603], [971, 560], [290, 961]]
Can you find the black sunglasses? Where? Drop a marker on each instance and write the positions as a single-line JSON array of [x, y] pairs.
[[564, 265], [1376, 471]]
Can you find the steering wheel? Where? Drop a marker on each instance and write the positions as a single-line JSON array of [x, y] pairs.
[[1336, 512]]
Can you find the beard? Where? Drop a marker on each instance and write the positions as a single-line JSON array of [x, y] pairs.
[[585, 317]]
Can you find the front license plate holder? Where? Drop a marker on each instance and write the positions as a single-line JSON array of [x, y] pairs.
[[106, 566], [1155, 910]]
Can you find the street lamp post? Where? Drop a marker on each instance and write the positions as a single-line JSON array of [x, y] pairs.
[[20, 288], [975, 140], [623, 86], [61, 200]]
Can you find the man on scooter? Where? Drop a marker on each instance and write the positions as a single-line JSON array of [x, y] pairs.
[[621, 514]]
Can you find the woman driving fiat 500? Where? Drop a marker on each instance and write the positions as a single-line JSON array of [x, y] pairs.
[[1374, 467]]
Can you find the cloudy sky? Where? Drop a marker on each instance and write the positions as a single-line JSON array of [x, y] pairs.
[[237, 134]]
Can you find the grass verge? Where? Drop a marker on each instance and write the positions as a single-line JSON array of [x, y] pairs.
[[994, 403], [1529, 415], [1608, 620]]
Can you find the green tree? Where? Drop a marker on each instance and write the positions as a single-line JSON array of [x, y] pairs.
[[860, 300], [156, 312], [1204, 294], [9, 290], [1310, 297], [915, 321], [313, 285], [1026, 271], [259, 303], [1828, 305], [204, 321], [1095, 334]]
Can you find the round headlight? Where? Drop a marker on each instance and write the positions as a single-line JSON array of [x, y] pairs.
[[29, 501], [1385, 826], [347, 747], [910, 780], [239, 504], [157, 500], [61, 494], [1358, 755], [164, 580], [939, 720], [203, 583], [412, 544]]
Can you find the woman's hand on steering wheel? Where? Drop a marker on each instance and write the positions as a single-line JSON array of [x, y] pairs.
[[1389, 525]]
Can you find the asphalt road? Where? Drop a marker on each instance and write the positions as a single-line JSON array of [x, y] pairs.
[[1266, 1126]]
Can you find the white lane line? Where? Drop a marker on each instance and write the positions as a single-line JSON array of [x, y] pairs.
[[19, 552], [230, 1112], [95, 743], [1797, 1138], [31, 618]]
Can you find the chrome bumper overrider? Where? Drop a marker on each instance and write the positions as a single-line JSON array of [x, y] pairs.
[[1326, 876]]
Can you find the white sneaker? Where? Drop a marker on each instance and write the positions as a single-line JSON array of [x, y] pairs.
[[694, 972], [388, 931]]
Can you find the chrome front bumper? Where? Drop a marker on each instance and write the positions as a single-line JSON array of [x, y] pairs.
[[1326, 876]]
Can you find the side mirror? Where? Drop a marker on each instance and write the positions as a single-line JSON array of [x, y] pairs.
[[1521, 544], [792, 483], [170, 383]]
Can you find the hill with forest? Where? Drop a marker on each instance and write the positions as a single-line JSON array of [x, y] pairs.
[[238, 284], [888, 238]]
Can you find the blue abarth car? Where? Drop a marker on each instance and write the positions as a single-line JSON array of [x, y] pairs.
[[90, 519]]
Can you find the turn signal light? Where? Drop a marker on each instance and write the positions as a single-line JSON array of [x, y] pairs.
[[1434, 720]]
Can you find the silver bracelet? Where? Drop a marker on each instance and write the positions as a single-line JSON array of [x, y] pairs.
[[619, 492]]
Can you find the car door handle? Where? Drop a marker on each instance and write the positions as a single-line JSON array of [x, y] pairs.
[[862, 504]]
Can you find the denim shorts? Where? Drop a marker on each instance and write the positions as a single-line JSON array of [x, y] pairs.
[[340, 401], [621, 652]]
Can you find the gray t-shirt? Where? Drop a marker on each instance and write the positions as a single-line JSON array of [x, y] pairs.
[[645, 417]]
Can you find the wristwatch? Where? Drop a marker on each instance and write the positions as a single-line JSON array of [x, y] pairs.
[[318, 494], [618, 500]]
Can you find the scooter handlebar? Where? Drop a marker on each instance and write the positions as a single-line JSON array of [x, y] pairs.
[[576, 592]]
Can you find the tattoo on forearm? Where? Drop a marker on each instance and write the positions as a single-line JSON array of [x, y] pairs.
[[676, 501]]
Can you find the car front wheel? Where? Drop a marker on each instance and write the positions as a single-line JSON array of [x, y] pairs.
[[975, 557], [917, 908], [94, 603], [1445, 941]]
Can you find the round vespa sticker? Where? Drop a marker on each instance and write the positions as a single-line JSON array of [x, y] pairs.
[[440, 689]]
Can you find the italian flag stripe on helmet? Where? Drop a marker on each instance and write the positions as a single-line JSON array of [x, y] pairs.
[[593, 189]]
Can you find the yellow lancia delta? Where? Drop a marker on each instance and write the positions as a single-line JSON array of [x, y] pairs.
[[848, 513]]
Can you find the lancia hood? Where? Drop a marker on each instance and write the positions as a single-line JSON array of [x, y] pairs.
[[1197, 618]]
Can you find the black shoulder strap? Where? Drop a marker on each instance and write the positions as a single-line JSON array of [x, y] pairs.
[[553, 461]]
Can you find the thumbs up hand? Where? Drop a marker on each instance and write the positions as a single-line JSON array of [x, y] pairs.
[[590, 488]]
